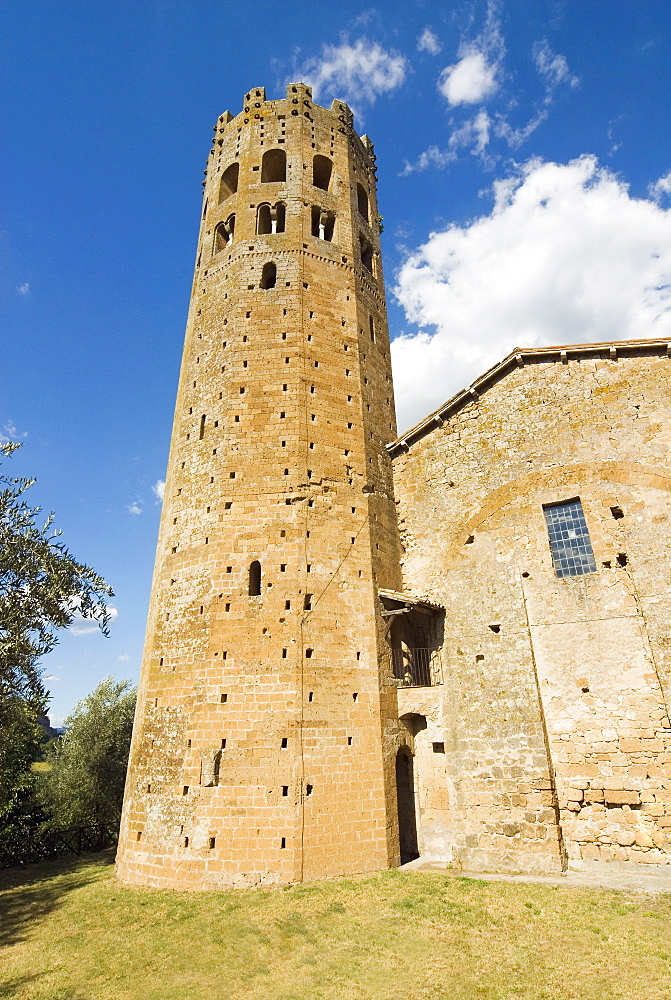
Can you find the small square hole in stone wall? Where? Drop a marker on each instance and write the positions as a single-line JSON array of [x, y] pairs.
[[438, 747]]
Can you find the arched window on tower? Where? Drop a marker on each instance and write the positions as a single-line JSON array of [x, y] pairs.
[[366, 254], [221, 237], [323, 223], [269, 275], [255, 579], [263, 223], [230, 225], [229, 182], [270, 219], [322, 168], [362, 201], [274, 166]]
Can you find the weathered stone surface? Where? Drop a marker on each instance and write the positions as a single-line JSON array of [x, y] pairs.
[[579, 667], [306, 681], [284, 407]]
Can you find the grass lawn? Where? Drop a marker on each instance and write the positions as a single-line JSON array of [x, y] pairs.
[[70, 931]]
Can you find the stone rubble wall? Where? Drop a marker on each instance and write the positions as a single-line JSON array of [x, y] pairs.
[[554, 712]]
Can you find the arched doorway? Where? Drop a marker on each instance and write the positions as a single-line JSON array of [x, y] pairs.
[[405, 796]]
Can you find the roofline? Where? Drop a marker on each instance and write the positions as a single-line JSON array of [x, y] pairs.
[[517, 359], [408, 599]]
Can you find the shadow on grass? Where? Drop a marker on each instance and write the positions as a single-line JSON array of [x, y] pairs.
[[14, 987], [29, 894]]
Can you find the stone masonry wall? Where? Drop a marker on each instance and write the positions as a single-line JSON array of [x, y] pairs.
[[554, 711], [258, 753]]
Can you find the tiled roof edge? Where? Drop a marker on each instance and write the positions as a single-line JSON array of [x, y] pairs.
[[517, 358]]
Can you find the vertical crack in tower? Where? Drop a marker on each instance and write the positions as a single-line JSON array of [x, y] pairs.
[[262, 750]]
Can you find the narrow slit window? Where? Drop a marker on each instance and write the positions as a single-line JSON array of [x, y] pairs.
[[269, 275], [366, 254], [255, 579], [362, 201], [570, 543]]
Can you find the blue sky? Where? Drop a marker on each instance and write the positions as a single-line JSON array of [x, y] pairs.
[[524, 157]]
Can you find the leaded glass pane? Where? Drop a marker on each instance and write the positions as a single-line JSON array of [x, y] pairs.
[[572, 553]]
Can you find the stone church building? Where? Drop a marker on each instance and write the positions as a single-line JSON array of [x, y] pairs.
[[365, 649]]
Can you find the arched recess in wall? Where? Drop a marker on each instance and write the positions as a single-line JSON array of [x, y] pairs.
[[268, 275], [367, 255], [405, 797], [270, 219], [322, 223], [281, 217], [221, 237], [263, 223], [580, 474], [274, 166], [362, 201], [322, 168], [229, 182], [255, 578]]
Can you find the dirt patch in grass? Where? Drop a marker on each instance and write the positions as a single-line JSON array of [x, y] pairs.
[[71, 932]]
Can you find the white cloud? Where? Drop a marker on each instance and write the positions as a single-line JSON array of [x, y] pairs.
[[477, 73], [565, 256], [514, 137], [52, 677], [356, 73], [85, 626], [468, 81], [123, 658], [158, 489], [134, 508], [553, 67], [428, 42], [473, 133], [431, 157], [9, 433], [23, 289], [661, 187]]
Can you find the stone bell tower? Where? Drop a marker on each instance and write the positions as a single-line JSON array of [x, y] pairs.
[[261, 751]]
